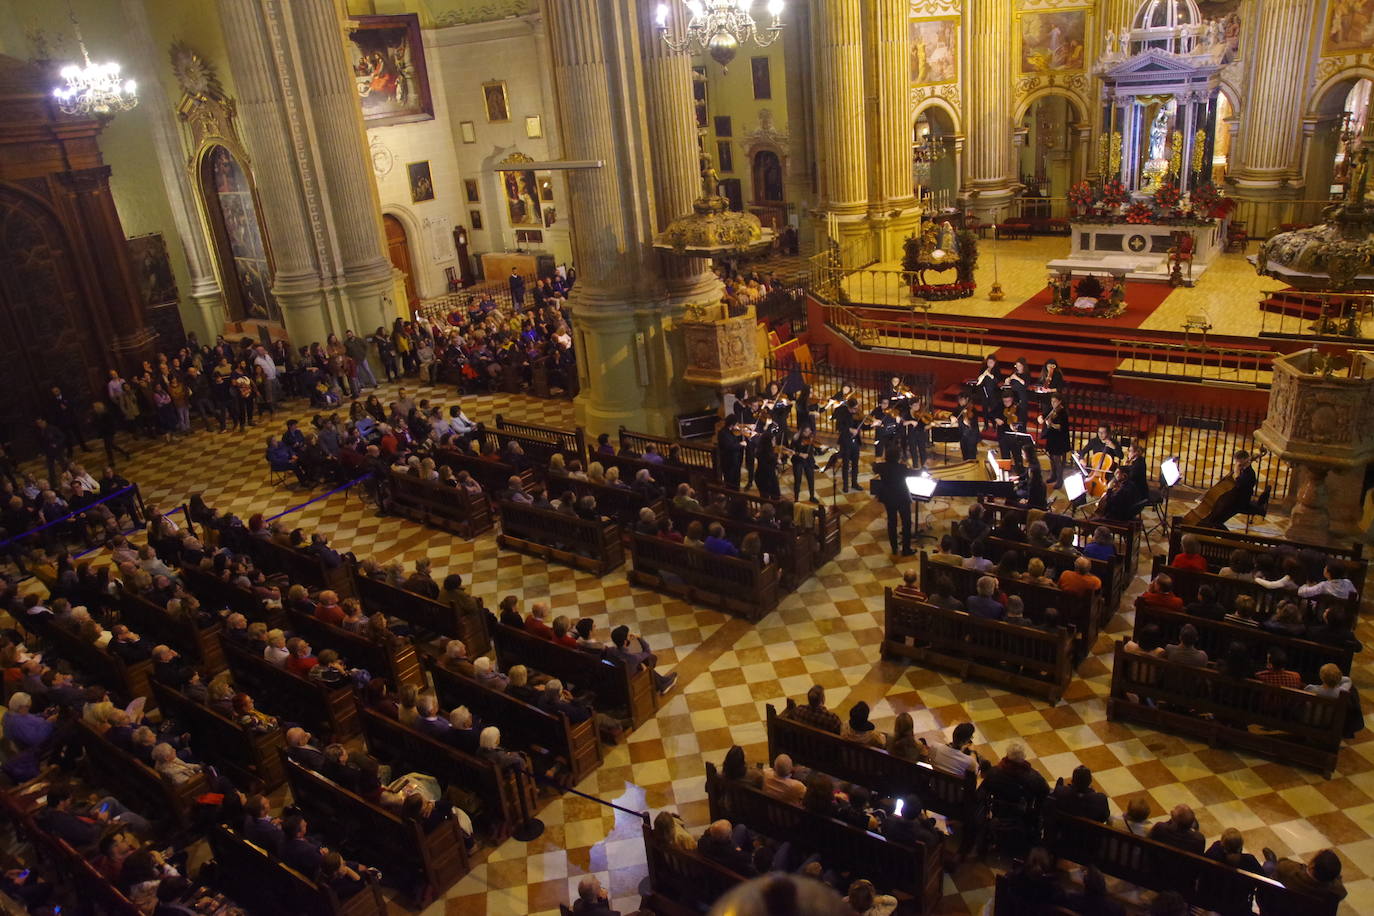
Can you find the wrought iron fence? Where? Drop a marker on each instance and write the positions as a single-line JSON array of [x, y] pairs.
[[1194, 362], [1341, 316], [826, 381]]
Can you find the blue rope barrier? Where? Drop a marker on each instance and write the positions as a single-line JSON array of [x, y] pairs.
[[70, 515], [316, 499]]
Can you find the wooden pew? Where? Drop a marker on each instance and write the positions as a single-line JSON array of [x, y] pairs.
[[74, 871], [826, 524], [220, 740], [269, 886], [914, 870], [99, 666], [329, 713], [1217, 545], [492, 475], [1205, 883], [590, 545], [701, 457], [954, 797], [1267, 600], [435, 861], [1078, 611], [793, 549], [739, 587], [1006, 903], [522, 725], [200, 645], [667, 476], [619, 503], [401, 745], [616, 687], [538, 442], [1023, 658], [299, 566], [466, 623], [1112, 572], [1215, 638], [213, 592], [439, 505], [1126, 536], [1298, 727], [134, 783], [684, 877], [400, 665]]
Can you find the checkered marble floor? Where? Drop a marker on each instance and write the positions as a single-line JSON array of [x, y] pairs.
[[827, 632]]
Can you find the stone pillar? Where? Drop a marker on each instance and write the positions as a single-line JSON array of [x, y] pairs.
[[356, 263], [621, 315], [671, 122], [842, 156], [893, 202], [799, 181], [1265, 164], [1114, 15], [991, 177], [206, 297], [272, 138]]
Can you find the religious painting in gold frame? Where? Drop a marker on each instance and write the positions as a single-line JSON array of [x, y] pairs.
[[1052, 41], [496, 101], [1349, 27], [934, 51]]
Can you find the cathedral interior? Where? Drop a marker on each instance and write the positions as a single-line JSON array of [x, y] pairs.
[[706, 219]]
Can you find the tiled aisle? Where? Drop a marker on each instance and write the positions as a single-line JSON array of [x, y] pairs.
[[829, 633]]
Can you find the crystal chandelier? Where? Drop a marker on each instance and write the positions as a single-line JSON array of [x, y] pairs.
[[719, 27], [93, 89]]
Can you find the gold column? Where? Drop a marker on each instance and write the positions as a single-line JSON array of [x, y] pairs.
[[622, 317], [892, 205], [991, 179], [1279, 56], [843, 154]]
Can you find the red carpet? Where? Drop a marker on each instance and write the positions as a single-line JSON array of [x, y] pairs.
[[1141, 301]]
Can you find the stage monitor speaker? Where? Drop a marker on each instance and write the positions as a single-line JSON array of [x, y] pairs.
[[697, 425]]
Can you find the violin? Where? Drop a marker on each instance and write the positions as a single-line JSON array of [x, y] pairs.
[[1010, 417]]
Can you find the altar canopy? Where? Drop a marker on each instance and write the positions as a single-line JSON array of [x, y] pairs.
[[1160, 82]]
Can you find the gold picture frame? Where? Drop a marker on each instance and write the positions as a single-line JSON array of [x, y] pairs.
[[468, 131], [496, 101], [534, 127], [934, 50], [1052, 41]]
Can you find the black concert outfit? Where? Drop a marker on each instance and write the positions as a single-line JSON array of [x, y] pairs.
[[803, 465], [895, 496], [851, 437]]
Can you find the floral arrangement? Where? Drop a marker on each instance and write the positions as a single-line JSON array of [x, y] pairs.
[[1140, 212], [1208, 202], [1081, 196], [1113, 192], [1167, 196], [942, 292]]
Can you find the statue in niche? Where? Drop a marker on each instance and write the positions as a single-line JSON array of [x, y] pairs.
[[1159, 133], [949, 243]]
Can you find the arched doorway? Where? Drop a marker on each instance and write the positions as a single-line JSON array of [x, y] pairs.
[[766, 178], [1049, 155], [1341, 113], [935, 171], [398, 251], [245, 266]]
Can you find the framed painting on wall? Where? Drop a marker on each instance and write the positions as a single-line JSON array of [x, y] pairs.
[[388, 61], [1052, 41], [470, 189], [1349, 27], [534, 127], [421, 184], [153, 268], [522, 198], [497, 104], [934, 51], [475, 217], [468, 131]]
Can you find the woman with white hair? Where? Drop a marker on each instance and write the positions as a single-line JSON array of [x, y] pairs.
[[487, 674], [177, 771], [21, 726], [489, 746]]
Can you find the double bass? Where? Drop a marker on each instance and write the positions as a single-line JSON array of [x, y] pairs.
[[1101, 468]]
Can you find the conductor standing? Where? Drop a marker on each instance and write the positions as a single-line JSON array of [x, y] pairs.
[[895, 496]]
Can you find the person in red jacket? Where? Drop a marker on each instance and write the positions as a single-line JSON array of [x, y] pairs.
[[301, 660], [1160, 595], [1190, 556], [328, 610], [535, 624]]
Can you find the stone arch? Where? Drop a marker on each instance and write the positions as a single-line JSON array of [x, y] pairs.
[[1344, 77], [1029, 102], [942, 105], [418, 243]]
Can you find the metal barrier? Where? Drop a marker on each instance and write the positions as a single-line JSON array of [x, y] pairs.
[[1194, 362], [1290, 313]]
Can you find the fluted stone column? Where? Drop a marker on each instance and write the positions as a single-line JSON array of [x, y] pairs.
[[799, 180], [892, 204], [991, 177], [621, 313], [356, 262], [206, 296], [673, 154], [269, 131], [1266, 162], [843, 154]]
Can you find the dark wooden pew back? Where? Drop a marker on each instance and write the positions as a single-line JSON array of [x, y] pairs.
[[99, 666], [586, 544], [329, 713], [266, 885], [736, 586], [433, 503], [699, 456], [200, 645], [1267, 600], [1215, 638], [399, 663], [468, 624], [241, 753], [686, 877], [825, 523], [135, 784]]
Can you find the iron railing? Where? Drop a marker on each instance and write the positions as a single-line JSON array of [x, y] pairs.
[[1194, 362], [826, 381], [1289, 313], [919, 336]]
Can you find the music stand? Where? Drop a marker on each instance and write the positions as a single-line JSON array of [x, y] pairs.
[[922, 488], [1169, 474]]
